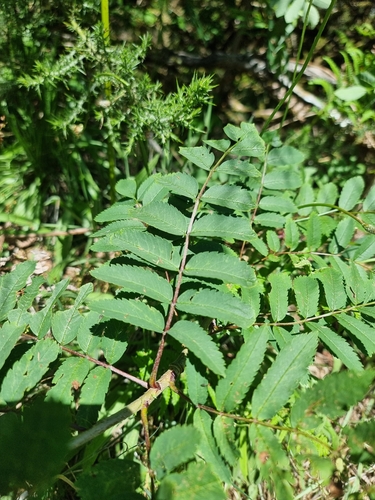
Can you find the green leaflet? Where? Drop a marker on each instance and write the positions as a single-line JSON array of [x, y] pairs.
[[199, 156], [273, 241], [88, 342], [337, 345], [362, 331], [228, 196], [227, 268], [93, 395], [333, 287], [304, 197], [314, 232], [369, 202], [27, 371], [136, 279], [240, 374], [200, 343], [332, 396], [65, 324], [117, 211], [68, 378], [283, 178], [278, 296], [327, 194], [197, 482], [180, 183], [224, 432], [127, 187], [343, 234], [222, 226], [9, 334], [351, 192], [277, 204], [292, 236], [130, 311], [173, 448], [306, 291], [250, 143], [366, 249], [289, 368], [269, 219], [40, 322], [238, 167], [220, 144], [11, 283], [215, 304], [197, 384], [151, 248], [207, 446], [285, 155], [281, 335], [163, 216]]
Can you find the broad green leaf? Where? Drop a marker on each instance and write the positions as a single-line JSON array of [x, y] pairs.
[[240, 374], [65, 324], [199, 156], [120, 210], [127, 187], [366, 249], [232, 132], [207, 446], [273, 241], [199, 342], [113, 348], [130, 311], [283, 178], [88, 342], [352, 93], [250, 144], [304, 197], [27, 371], [228, 196], [278, 296], [369, 201], [215, 304], [327, 194], [272, 461], [292, 236], [220, 266], [152, 248], [11, 283], [195, 483], [361, 330], [333, 287], [40, 322], [172, 448], [269, 219], [114, 227], [162, 216], [286, 155], [92, 395], [306, 291], [136, 279], [224, 432], [343, 234], [338, 346], [221, 144], [281, 335], [151, 190], [197, 384], [358, 287], [314, 232], [9, 334], [286, 372], [68, 378], [238, 167], [222, 226], [277, 204], [180, 183], [351, 192], [333, 395], [259, 245]]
